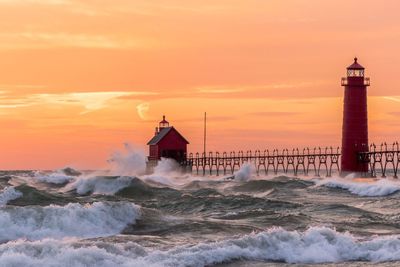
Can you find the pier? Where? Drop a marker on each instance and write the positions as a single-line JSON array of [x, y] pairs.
[[317, 161], [383, 161]]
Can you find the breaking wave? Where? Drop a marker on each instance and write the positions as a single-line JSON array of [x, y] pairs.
[[316, 245], [53, 178], [378, 188], [106, 185], [129, 162], [9, 193], [58, 177], [73, 220], [244, 173]]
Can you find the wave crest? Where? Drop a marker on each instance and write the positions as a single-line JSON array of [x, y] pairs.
[[316, 245], [373, 189], [9, 193], [106, 185], [73, 220]]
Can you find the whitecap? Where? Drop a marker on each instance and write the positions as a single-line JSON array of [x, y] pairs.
[[72, 220], [316, 245], [244, 173], [381, 187], [53, 178], [9, 193], [105, 185]]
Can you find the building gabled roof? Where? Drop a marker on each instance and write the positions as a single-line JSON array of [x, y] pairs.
[[162, 133]]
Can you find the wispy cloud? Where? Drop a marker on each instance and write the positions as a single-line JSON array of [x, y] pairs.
[[11, 106], [90, 101], [41, 2], [7, 102], [142, 109], [392, 98], [31, 39], [72, 6], [7, 87], [394, 113], [286, 89], [218, 90], [273, 113]]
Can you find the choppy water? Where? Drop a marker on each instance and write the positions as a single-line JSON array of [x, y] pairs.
[[66, 218]]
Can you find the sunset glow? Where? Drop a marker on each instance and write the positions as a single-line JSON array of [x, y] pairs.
[[80, 78]]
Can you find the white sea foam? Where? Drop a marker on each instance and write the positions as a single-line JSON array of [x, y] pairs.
[[316, 245], [166, 166], [164, 174], [244, 173], [130, 162], [99, 184], [60, 253], [168, 172], [53, 178], [73, 220], [381, 187], [9, 193]]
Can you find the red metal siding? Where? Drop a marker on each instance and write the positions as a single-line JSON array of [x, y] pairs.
[[172, 141], [153, 151]]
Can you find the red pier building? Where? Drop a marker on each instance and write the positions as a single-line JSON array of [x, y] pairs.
[[355, 120], [167, 143]]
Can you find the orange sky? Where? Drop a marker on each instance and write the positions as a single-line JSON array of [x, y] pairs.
[[80, 78]]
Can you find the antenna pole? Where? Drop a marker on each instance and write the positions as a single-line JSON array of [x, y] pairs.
[[205, 132]]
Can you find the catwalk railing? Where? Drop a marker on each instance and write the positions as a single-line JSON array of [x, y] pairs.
[[383, 161], [316, 161]]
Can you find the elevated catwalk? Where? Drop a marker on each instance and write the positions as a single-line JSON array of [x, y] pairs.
[[382, 160]]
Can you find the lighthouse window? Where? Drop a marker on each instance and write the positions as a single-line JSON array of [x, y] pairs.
[[359, 73], [355, 73], [350, 73]]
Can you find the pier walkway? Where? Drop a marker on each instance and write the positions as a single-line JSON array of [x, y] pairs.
[[383, 161]]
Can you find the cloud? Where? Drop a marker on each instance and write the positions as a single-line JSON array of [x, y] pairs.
[[72, 6], [273, 113], [279, 90], [5, 88], [217, 90], [392, 98], [91, 101], [29, 2], [394, 113], [40, 40], [142, 109], [7, 102], [7, 106]]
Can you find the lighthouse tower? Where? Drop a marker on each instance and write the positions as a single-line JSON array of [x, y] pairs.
[[355, 120]]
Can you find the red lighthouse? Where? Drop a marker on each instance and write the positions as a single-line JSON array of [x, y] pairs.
[[355, 120], [167, 143]]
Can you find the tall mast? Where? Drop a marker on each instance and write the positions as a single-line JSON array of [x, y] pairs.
[[205, 132]]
